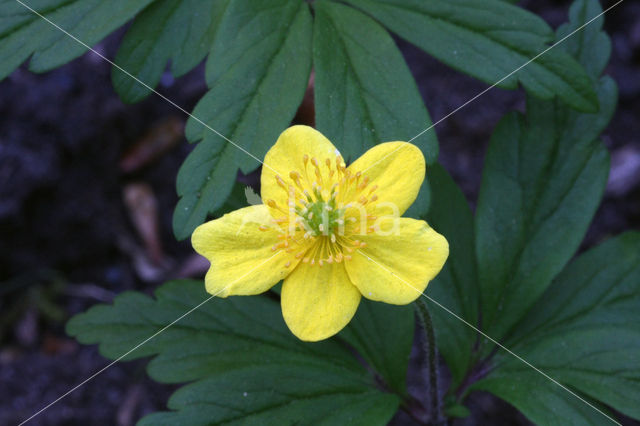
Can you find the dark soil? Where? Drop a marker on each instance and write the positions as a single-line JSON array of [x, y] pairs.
[[68, 240]]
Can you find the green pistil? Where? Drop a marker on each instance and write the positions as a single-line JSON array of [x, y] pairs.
[[321, 220]]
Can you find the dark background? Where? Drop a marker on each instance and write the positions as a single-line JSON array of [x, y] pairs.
[[87, 190]]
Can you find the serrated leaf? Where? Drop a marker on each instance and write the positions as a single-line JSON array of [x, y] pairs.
[[544, 177], [245, 363], [456, 286], [488, 40], [364, 91], [178, 30], [257, 73], [591, 46], [23, 33], [383, 335], [585, 330], [277, 395], [582, 330]]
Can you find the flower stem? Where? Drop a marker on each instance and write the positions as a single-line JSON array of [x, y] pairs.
[[429, 348]]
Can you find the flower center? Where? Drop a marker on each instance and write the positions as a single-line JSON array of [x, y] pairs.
[[327, 208], [322, 217]]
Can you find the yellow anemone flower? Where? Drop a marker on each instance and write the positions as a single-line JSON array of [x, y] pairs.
[[331, 232]]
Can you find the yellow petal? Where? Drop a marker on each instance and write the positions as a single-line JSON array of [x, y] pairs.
[[287, 156], [241, 255], [397, 168], [317, 302], [396, 264]]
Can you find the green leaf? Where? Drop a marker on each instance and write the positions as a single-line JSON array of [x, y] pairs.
[[488, 40], [246, 365], [178, 30], [544, 177], [591, 313], [276, 395], [540, 400], [457, 410], [591, 46], [383, 335], [23, 33], [584, 332], [364, 91], [455, 287], [257, 73]]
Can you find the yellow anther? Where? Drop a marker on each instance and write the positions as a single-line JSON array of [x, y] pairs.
[[271, 204], [374, 197], [286, 265]]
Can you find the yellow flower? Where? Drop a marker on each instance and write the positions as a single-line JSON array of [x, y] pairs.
[[332, 232]]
